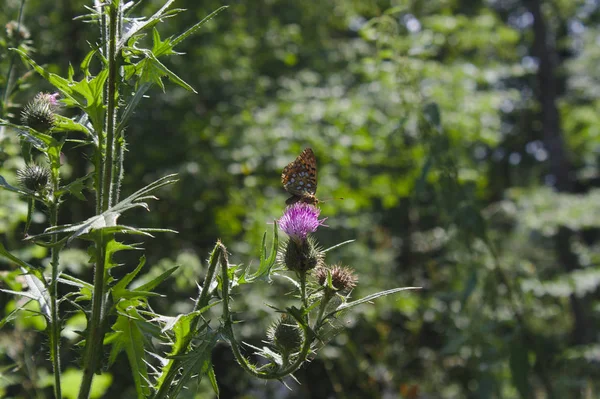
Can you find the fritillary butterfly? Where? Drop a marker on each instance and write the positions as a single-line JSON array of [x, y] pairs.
[[299, 178]]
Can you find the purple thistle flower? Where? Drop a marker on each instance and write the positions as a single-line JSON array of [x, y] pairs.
[[53, 99], [300, 219]]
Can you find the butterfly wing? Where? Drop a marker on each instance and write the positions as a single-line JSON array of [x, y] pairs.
[[299, 177]]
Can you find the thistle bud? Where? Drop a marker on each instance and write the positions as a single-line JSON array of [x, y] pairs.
[[343, 278], [301, 256], [39, 113], [285, 335], [34, 177]]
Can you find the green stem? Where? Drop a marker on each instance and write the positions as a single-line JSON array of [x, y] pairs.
[[302, 277], [104, 169], [270, 375], [172, 368], [326, 298], [93, 345], [53, 290], [111, 111]]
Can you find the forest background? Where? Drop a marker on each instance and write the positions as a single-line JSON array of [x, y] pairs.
[[464, 137]]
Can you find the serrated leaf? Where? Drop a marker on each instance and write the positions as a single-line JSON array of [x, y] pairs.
[[128, 337], [64, 124], [120, 289], [139, 25], [266, 261], [210, 372], [149, 286], [107, 221], [76, 187], [161, 47], [197, 360], [151, 70]]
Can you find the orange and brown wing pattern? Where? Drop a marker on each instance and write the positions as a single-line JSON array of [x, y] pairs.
[[299, 178]]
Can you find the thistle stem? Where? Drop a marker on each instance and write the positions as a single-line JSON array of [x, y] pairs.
[[111, 111], [104, 169], [172, 368], [53, 292], [93, 345], [252, 370]]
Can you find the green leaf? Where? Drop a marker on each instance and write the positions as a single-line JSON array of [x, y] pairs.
[[197, 26], [149, 286], [338, 245], [85, 288], [107, 221], [151, 70], [64, 124], [4, 184], [57, 81], [120, 289], [212, 377], [75, 187], [138, 25], [37, 291], [197, 361], [128, 337], [519, 367], [367, 299], [266, 262], [71, 381], [85, 94], [39, 140], [36, 271]]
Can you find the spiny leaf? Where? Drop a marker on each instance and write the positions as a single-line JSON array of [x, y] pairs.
[[75, 187], [36, 271], [107, 221], [266, 262], [128, 337], [197, 26], [149, 286], [368, 298]]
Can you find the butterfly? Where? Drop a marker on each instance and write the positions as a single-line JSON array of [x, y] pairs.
[[299, 178]]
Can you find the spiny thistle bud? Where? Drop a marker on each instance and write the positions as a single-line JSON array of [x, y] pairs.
[[34, 177], [343, 278], [39, 113], [302, 256], [285, 335]]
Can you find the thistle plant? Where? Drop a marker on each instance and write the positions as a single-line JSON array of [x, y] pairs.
[[119, 317]]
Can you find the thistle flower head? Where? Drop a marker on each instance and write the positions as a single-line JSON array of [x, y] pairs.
[[301, 256], [39, 113], [34, 177], [299, 220], [285, 335], [342, 278]]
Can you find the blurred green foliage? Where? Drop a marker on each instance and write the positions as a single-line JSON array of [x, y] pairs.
[[424, 118]]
